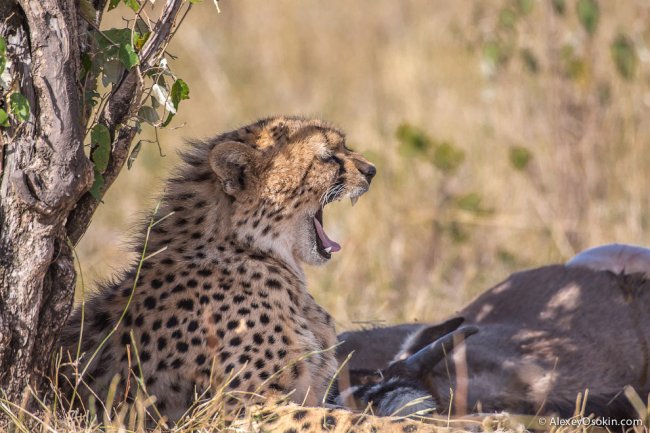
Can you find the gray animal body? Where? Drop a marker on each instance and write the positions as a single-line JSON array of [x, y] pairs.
[[544, 335]]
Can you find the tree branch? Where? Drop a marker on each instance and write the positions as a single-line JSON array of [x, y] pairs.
[[124, 102]]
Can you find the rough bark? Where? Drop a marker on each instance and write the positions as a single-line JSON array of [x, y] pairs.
[[45, 175]]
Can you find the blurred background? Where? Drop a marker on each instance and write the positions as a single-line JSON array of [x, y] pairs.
[[507, 134]]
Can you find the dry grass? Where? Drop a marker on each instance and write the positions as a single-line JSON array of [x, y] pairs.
[[208, 415], [54, 415], [409, 251]]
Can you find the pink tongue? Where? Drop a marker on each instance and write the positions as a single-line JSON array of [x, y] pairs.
[[327, 242]]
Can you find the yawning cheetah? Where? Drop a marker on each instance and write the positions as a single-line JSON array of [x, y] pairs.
[[225, 300]]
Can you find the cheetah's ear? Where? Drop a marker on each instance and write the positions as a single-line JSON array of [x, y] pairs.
[[232, 161]]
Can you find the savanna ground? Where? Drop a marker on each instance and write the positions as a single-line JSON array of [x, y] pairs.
[[507, 134]]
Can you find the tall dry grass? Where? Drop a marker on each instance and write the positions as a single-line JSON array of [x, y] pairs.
[[410, 250]]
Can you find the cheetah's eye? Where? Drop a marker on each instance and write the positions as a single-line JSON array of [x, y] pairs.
[[331, 159]]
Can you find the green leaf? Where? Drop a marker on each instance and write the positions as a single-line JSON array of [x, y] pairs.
[[112, 4], [624, 56], [98, 184], [112, 72], [116, 44], [141, 40], [100, 141], [180, 91], [588, 14], [412, 140], [134, 154], [447, 158], [128, 56], [112, 38], [148, 114], [19, 106], [133, 4], [4, 118], [195, 1], [3, 54], [520, 157]]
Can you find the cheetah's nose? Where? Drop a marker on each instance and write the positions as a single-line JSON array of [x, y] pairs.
[[367, 169]]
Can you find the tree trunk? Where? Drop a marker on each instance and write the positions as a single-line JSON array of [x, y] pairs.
[[44, 172], [45, 206]]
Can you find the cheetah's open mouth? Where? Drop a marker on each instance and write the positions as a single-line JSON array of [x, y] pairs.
[[324, 244]]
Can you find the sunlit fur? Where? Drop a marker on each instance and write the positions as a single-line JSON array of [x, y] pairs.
[[225, 292]]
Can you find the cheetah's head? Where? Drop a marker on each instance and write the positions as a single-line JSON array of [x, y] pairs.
[[280, 176]]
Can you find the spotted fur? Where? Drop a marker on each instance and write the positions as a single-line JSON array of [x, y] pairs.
[[224, 301]]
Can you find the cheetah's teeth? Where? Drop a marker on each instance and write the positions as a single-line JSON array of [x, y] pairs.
[[328, 250], [353, 200]]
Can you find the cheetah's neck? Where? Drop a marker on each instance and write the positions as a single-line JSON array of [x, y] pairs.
[[193, 225]]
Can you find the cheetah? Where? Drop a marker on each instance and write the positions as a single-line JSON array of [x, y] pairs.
[[222, 298]]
